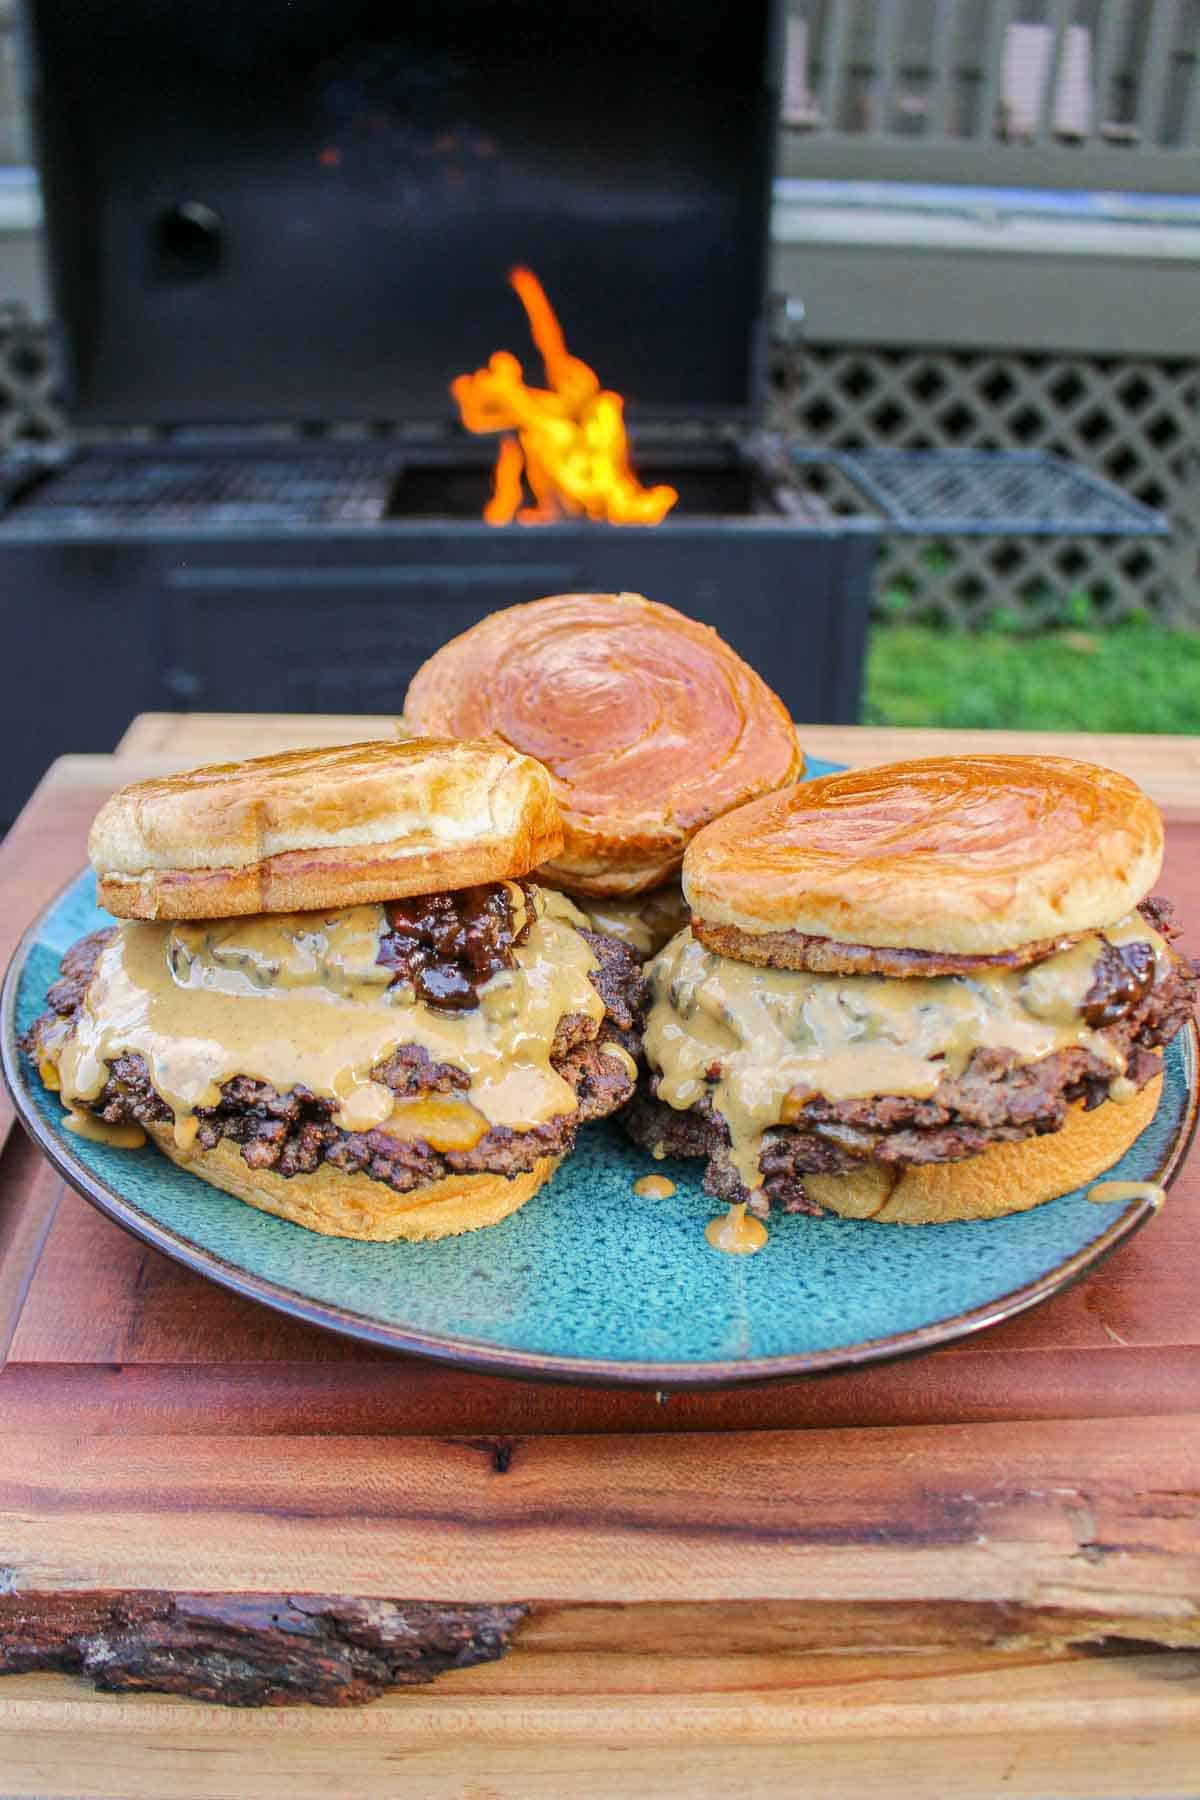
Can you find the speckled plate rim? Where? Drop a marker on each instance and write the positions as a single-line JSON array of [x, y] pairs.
[[487, 1358]]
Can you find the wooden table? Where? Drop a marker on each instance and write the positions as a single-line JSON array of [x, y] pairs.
[[973, 1574]]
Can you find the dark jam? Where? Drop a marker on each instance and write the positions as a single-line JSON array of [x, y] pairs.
[[1124, 976], [446, 946]]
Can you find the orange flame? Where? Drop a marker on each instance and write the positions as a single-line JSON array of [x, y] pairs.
[[569, 443]]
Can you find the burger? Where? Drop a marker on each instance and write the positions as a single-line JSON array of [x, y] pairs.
[[333, 991], [930, 991], [650, 726]]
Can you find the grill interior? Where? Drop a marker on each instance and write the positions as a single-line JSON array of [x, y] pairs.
[[361, 487], [459, 489]]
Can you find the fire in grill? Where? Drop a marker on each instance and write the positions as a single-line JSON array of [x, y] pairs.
[[567, 440]]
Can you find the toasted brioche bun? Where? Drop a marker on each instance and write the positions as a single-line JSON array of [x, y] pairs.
[[313, 828], [648, 722], [971, 855], [338, 1204], [1005, 1178]]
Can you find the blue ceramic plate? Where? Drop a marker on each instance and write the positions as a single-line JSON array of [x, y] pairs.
[[586, 1282]]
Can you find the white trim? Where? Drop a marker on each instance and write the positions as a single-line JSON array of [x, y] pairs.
[[20, 201], [996, 233]]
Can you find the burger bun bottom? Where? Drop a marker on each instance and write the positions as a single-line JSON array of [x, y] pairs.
[[1005, 1178], [343, 1205]]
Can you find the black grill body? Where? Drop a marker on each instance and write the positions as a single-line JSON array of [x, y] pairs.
[[276, 235]]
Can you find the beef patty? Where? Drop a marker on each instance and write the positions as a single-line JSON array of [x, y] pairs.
[[826, 956], [995, 1100], [294, 1133]]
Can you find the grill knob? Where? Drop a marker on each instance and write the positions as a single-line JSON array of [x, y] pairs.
[[188, 240]]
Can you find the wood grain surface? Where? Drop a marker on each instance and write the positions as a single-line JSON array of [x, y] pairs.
[[927, 1578], [956, 1727], [993, 1513]]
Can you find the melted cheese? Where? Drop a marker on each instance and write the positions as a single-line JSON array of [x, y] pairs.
[[298, 1000], [654, 1187], [619, 1054], [762, 1042], [1119, 1193], [99, 1131], [736, 1234]]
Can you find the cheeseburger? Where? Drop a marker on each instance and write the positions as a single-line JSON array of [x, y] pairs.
[[650, 726], [930, 991], [333, 991]]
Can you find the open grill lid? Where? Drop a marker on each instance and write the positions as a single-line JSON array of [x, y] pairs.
[[307, 209]]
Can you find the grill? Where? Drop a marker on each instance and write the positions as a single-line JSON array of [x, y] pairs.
[[268, 503], [988, 493], [95, 491]]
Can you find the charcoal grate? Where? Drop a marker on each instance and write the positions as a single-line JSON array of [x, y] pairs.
[[991, 493], [95, 490]]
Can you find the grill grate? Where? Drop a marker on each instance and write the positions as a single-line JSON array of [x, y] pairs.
[[1022, 493], [1132, 421], [97, 490]]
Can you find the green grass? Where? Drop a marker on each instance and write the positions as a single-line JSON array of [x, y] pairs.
[[1132, 677]]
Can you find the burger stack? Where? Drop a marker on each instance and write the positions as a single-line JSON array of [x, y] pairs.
[[376, 990], [334, 991], [650, 725], [930, 991]]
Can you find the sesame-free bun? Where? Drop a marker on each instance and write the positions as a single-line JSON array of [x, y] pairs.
[[339, 1204], [648, 722], [314, 828], [1004, 1178], [973, 855]]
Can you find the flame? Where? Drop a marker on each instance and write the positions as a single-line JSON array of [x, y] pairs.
[[566, 441]]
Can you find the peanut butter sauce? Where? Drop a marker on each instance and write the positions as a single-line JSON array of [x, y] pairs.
[[735, 1233], [1118, 1193], [186, 1131], [760, 1041], [298, 1000], [654, 1187]]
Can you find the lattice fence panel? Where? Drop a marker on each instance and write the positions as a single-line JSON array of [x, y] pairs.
[[1136, 422], [30, 407]]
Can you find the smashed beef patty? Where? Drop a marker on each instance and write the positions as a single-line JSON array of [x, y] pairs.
[[802, 950], [294, 1133], [995, 1100]]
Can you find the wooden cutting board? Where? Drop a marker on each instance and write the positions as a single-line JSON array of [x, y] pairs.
[[898, 1580]]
